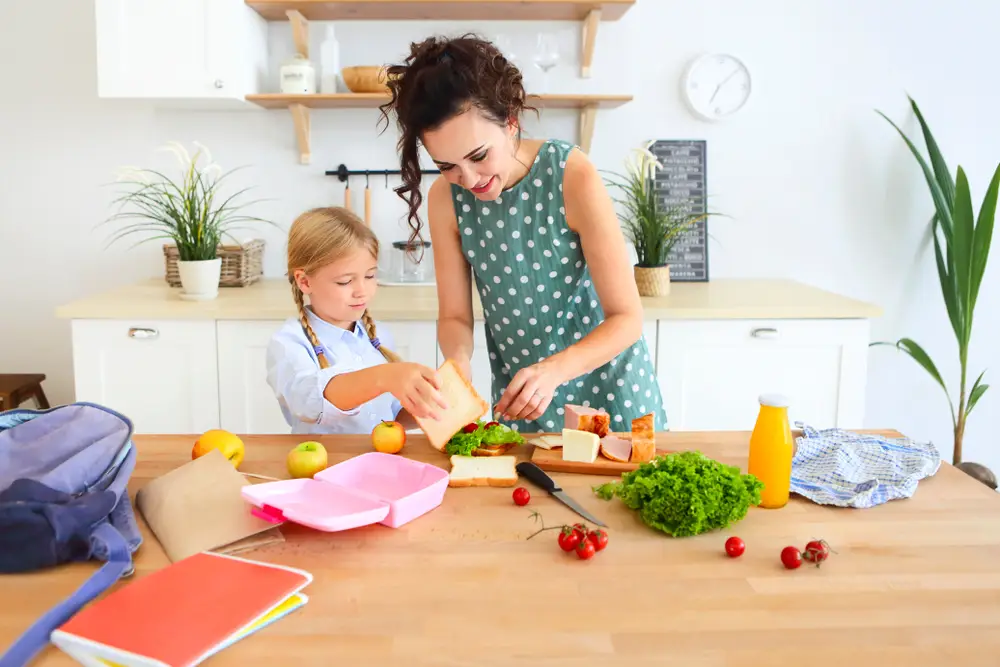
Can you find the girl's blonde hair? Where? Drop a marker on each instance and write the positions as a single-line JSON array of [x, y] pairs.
[[319, 237]]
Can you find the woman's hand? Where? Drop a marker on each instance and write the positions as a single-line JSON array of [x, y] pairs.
[[529, 393], [417, 388]]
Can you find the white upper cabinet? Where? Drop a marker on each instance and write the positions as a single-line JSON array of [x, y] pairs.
[[179, 49]]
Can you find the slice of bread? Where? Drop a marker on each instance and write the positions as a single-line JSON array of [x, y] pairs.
[[482, 471], [464, 406]]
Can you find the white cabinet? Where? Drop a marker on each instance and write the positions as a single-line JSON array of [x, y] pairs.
[[246, 401], [179, 49], [711, 372], [193, 375], [162, 375]]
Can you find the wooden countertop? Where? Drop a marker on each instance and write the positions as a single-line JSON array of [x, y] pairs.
[[270, 299], [914, 582]]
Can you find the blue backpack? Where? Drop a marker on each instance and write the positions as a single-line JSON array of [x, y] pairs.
[[63, 498]]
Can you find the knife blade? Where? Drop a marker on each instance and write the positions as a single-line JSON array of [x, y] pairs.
[[538, 477]]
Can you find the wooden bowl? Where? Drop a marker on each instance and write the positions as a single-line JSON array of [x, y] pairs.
[[365, 79]]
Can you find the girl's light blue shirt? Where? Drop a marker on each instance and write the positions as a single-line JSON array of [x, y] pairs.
[[294, 374]]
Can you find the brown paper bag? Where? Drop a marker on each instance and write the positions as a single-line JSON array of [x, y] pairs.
[[198, 507]]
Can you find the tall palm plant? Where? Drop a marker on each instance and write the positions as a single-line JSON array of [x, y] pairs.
[[961, 250]]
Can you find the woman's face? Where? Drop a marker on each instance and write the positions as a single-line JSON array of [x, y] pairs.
[[473, 152]]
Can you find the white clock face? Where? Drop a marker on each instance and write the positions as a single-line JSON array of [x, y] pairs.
[[716, 86]]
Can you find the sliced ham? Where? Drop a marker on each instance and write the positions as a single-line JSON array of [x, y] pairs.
[[591, 420], [616, 448]]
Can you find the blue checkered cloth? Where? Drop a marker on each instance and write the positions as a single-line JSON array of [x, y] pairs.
[[837, 467]]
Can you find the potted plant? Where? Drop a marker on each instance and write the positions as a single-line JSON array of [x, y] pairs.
[[191, 212], [961, 249], [653, 230]]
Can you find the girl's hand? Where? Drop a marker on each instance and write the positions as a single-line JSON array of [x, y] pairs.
[[529, 393], [416, 387]]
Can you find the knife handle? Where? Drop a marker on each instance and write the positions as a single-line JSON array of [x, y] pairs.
[[537, 476]]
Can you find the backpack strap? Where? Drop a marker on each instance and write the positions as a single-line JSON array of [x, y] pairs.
[[36, 637]]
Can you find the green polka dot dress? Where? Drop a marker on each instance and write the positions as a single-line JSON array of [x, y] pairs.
[[538, 297]]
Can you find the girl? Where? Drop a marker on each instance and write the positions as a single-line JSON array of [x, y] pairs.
[[536, 226], [328, 367]]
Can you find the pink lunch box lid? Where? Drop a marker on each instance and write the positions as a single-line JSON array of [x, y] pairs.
[[363, 490]]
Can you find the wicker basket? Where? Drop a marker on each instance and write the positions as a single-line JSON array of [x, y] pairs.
[[653, 280], [242, 265]]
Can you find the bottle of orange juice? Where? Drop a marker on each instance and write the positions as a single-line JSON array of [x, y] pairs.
[[771, 450]]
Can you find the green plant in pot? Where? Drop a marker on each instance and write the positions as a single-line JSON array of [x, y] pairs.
[[653, 230], [190, 211], [961, 250]]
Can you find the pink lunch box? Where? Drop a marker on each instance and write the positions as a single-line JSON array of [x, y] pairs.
[[369, 488]]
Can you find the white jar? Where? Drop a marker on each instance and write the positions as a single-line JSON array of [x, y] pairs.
[[298, 76]]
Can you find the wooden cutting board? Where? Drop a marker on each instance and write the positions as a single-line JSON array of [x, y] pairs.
[[551, 460]]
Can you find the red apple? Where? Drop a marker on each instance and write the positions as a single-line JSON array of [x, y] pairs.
[[388, 437]]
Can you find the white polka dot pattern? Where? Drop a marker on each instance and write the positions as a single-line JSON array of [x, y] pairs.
[[514, 248]]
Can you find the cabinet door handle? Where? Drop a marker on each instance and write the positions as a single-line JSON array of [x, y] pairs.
[[766, 332], [140, 332]]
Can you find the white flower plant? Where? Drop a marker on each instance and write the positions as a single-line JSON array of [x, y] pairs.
[[190, 211], [652, 230]]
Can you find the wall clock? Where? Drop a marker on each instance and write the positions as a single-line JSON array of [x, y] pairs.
[[716, 85]]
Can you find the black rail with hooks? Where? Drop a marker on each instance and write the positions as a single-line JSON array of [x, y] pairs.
[[343, 173]]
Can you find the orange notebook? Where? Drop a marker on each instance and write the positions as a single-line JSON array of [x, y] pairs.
[[182, 614]]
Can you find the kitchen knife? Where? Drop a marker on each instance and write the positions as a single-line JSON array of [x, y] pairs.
[[538, 477]]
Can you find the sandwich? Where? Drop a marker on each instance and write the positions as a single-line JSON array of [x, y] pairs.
[[483, 439], [464, 406]]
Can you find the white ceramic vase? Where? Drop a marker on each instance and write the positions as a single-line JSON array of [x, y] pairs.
[[200, 279]]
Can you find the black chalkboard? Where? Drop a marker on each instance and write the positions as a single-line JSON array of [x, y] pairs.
[[681, 183]]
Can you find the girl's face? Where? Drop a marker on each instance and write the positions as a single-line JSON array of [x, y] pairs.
[[473, 152], [340, 291]]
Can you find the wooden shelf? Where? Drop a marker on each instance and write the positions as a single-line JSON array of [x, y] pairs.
[[300, 105], [373, 100], [442, 10], [590, 13]]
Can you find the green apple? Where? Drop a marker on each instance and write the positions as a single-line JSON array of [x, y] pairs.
[[307, 459]]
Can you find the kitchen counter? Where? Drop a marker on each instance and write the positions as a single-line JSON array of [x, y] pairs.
[[271, 299], [914, 582]]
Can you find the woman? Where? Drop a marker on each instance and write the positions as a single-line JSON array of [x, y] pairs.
[[534, 223]]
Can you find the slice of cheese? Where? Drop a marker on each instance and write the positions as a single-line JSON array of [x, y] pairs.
[[580, 446], [547, 442]]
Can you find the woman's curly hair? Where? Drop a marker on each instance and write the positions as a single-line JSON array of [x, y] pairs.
[[441, 78]]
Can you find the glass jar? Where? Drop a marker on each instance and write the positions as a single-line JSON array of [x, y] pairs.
[[298, 76], [411, 261]]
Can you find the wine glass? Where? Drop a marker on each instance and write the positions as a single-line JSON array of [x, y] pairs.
[[546, 55], [503, 43]]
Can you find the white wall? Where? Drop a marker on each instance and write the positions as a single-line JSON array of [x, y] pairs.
[[818, 187]]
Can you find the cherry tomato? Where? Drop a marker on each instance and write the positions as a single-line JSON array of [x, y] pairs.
[[599, 538], [816, 551], [586, 550], [470, 428], [580, 529], [735, 547], [791, 557], [492, 424], [521, 496], [569, 539]]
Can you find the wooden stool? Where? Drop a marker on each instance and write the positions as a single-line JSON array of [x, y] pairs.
[[15, 389]]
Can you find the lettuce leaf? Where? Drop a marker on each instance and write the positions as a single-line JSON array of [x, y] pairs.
[[685, 493]]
